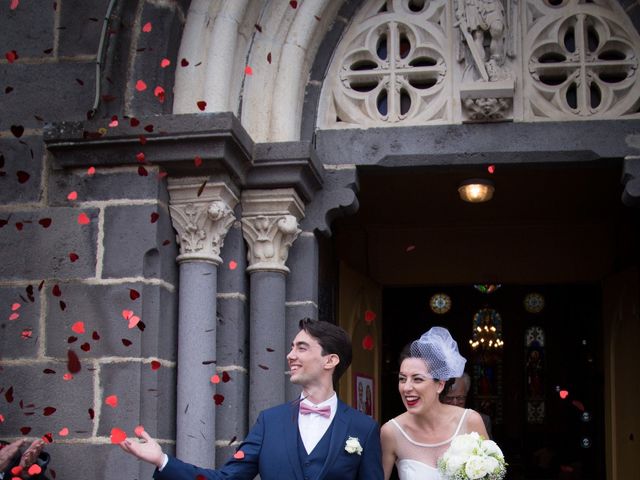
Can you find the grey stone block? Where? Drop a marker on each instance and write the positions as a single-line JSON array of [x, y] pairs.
[[105, 185], [302, 281], [233, 280], [80, 26], [145, 397], [232, 334], [49, 91], [100, 308], [21, 155], [162, 41], [38, 252], [28, 29], [36, 391], [19, 338], [77, 461], [134, 246]]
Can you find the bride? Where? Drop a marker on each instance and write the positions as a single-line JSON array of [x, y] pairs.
[[416, 439]]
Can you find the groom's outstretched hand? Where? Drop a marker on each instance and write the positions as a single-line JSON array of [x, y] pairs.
[[149, 450]]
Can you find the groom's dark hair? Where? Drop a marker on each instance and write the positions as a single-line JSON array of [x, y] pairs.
[[332, 340]]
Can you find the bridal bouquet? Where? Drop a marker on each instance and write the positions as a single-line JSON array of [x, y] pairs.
[[471, 458]]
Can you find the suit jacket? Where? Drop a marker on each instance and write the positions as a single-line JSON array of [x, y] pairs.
[[271, 450]]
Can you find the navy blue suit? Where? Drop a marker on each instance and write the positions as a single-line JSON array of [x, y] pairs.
[[272, 450]]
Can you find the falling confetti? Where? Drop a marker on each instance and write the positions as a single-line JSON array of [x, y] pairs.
[[215, 379], [369, 317], [147, 27], [491, 168], [155, 365], [154, 217], [14, 316], [118, 436], [218, 399], [202, 105], [269, 58], [15, 307], [248, 70], [184, 62], [63, 432], [45, 222], [131, 318], [48, 411], [22, 176], [293, 3], [563, 394], [112, 401], [410, 248], [159, 92], [91, 171], [83, 219], [141, 86], [233, 265], [72, 196], [14, 4], [197, 161], [55, 291], [11, 56], [140, 156], [73, 256], [73, 362], [239, 455], [78, 327], [225, 377], [133, 294], [165, 62], [367, 342]]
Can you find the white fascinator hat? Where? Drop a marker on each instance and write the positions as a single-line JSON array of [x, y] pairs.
[[440, 352]]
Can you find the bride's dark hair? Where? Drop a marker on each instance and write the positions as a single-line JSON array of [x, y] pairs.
[[406, 353]]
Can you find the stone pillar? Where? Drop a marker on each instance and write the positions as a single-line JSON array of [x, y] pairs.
[[202, 213], [270, 226]]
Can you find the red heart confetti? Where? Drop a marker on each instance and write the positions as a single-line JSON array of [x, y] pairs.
[[491, 168], [72, 339], [142, 139], [133, 319], [293, 3], [114, 121], [26, 334], [34, 469], [248, 70], [141, 86], [133, 295], [155, 365], [92, 414], [25, 430], [142, 171], [138, 430], [126, 343], [45, 222], [78, 327], [73, 362], [410, 248], [197, 161], [19, 226], [63, 432], [146, 28], [112, 401], [369, 317], [215, 379], [264, 367], [14, 316], [218, 399], [1, 418], [85, 347], [72, 196], [184, 62], [95, 336], [56, 290], [563, 394], [165, 62], [269, 57], [62, 305], [148, 128], [17, 470], [15, 307], [48, 411], [154, 217], [367, 342], [48, 371], [67, 377], [91, 171], [202, 105], [8, 395], [140, 156], [134, 122], [225, 377], [239, 455], [233, 265], [118, 436], [11, 56], [73, 256], [159, 92], [14, 4], [83, 219], [22, 176], [258, 27]]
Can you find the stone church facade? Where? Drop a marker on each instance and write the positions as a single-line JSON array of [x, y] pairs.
[[171, 172]]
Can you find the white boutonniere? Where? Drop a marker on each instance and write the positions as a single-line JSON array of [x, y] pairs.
[[353, 445]]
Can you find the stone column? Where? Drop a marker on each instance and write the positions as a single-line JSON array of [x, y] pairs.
[[270, 226], [202, 213]]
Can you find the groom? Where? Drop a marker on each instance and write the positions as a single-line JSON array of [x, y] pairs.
[[316, 437]]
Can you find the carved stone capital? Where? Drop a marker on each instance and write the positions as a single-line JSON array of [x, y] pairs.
[[487, 101], [270, 226], [201, 213]]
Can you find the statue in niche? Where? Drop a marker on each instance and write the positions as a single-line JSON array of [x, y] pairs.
[[483, 25]]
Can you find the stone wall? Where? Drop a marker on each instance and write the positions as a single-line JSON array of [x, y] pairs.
[[81, 247]]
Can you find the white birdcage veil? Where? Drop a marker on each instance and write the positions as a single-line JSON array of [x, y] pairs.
[[440, 352]]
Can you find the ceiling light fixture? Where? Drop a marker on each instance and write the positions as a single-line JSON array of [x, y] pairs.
[[476, 190]]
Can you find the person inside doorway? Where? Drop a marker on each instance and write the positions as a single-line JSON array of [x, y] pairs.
[[414, 440], [457, 395], [316, 436]]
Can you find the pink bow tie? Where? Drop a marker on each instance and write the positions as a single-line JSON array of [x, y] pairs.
[[324, 411]]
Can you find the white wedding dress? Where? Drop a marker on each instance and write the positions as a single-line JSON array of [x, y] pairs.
[[418, 461]]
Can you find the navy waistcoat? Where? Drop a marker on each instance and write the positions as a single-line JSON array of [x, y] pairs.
[[313, 462]]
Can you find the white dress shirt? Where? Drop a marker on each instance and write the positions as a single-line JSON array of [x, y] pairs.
[[313, 426]]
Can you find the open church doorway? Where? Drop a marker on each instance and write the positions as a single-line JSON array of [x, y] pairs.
[[556, 234]]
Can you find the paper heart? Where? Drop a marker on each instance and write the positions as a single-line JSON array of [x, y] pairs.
[[91, 171], [23, 176], [83, 219], [72, 195], [215, 379], [17, 470], [201, 105], [138, 430], [147, 27], [155, 365], [14, 316], [165, 63], [112, 401], [118, 436], [73, 256], [64, 432], [133, 295], [34, 469], [15, 307], [78, 327], [133, 321], [141, 86], [564, 394], [127, 314], [239, 455]]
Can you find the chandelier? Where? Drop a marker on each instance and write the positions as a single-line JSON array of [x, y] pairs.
[[487, 330]]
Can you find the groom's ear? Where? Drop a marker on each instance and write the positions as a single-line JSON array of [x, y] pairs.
[[331, 361]]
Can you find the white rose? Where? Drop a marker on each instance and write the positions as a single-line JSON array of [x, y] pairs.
[[491, 448], [353, 445], [464, 444], [454, 463], [477, 467]]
